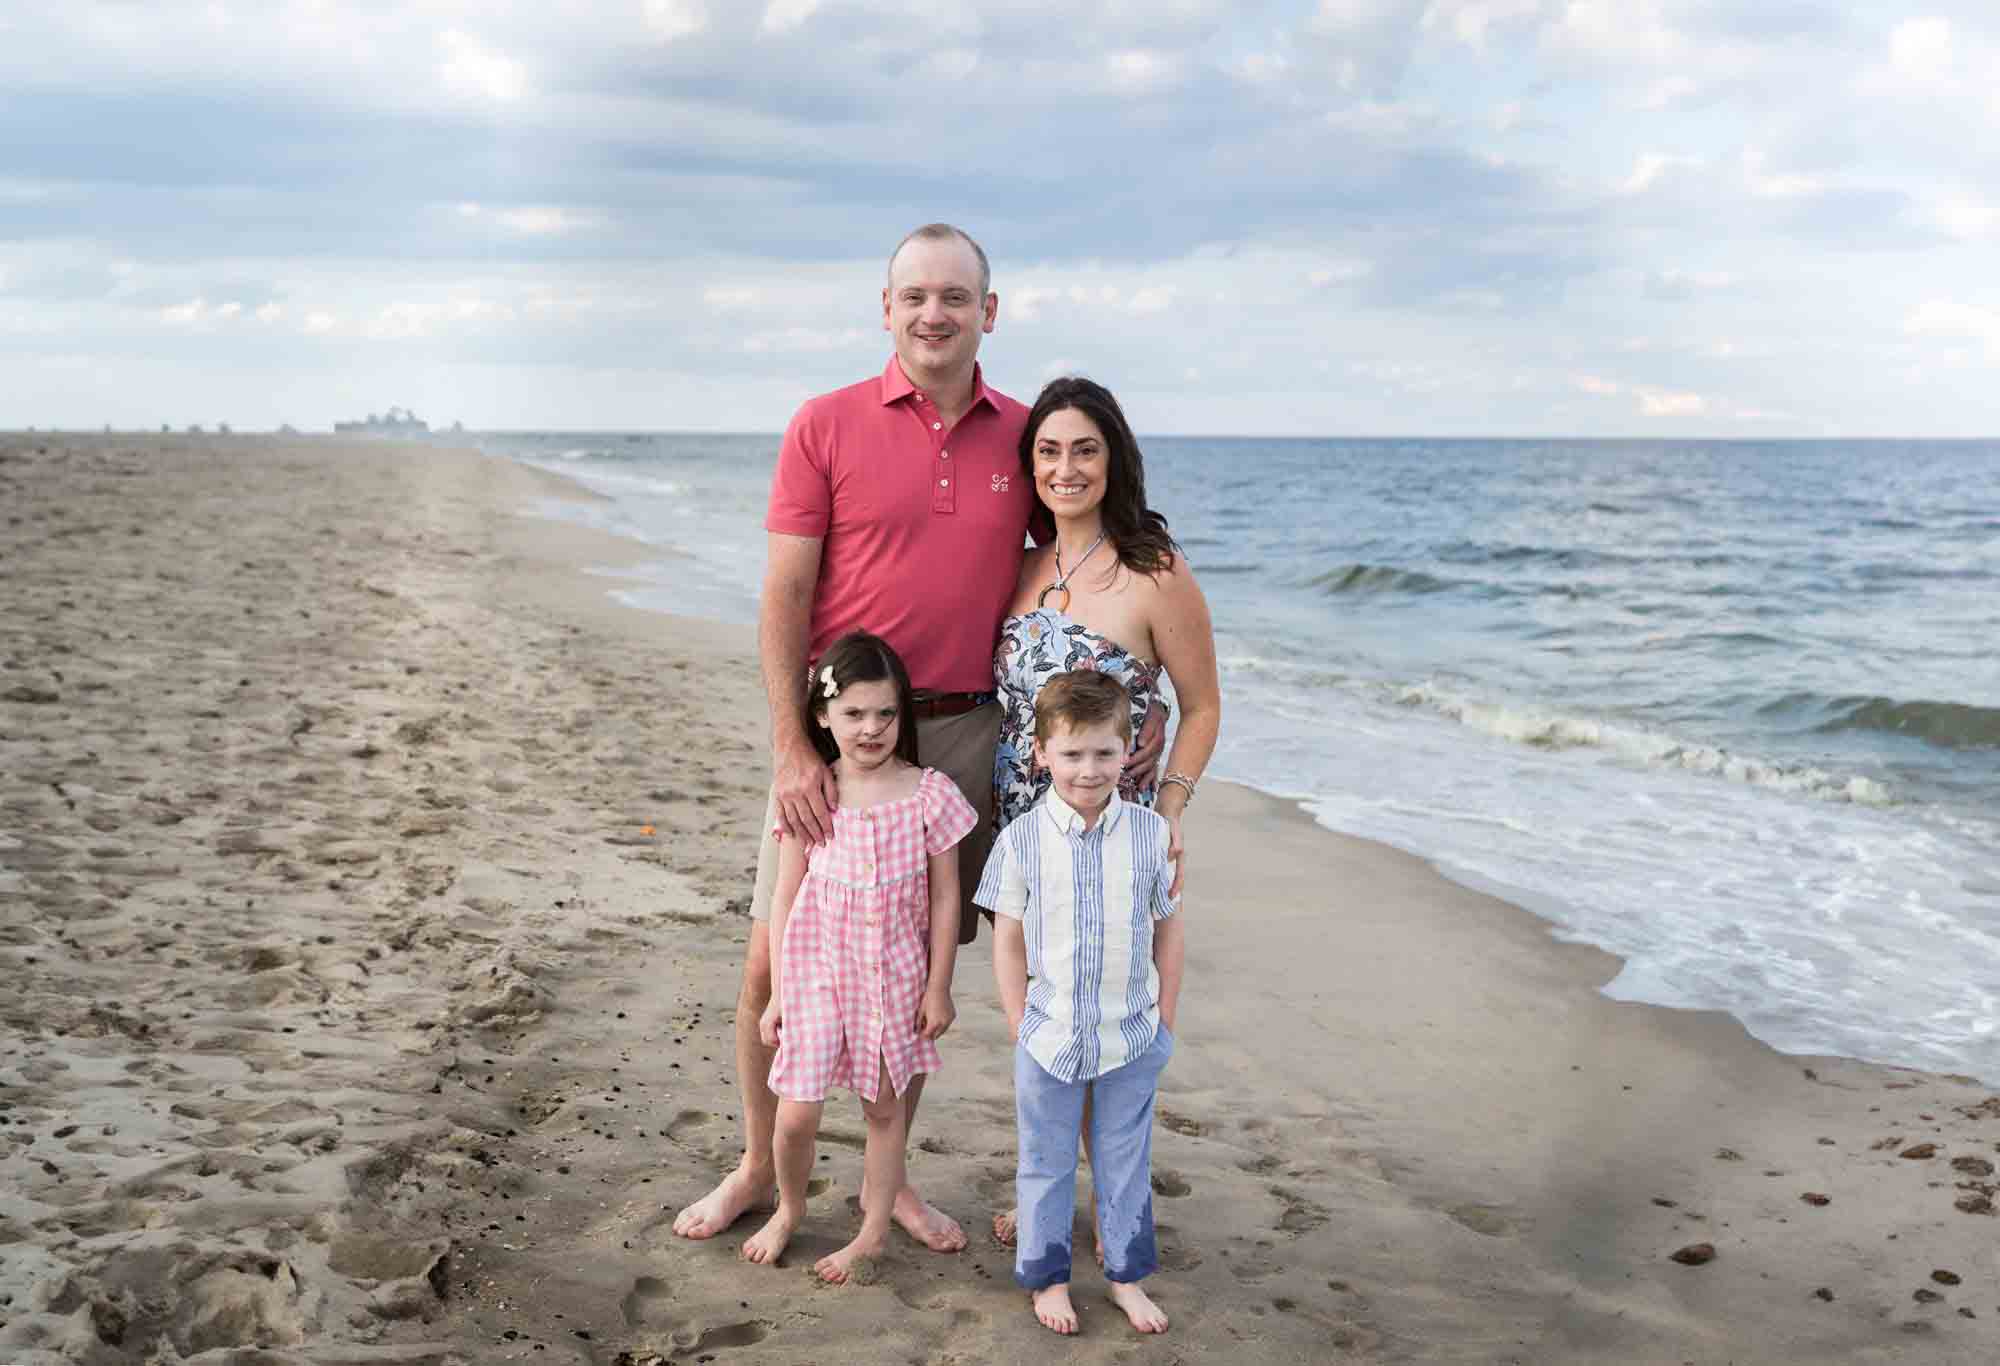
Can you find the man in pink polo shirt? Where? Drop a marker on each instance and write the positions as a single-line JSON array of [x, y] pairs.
[[898, 507]]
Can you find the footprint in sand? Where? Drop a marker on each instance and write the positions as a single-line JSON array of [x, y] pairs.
[[1170, 1184], [745, 1334], [646, 1307], [686, 1122], [1175, 1255], [1298, 1215], [1488, 1220], [646, 1304], [1255, 1264], [1181, 1124]]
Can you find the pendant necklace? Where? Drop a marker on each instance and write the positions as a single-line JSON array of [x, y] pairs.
[[1061, 585]]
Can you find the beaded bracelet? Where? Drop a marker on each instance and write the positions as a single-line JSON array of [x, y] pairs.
[[1185, 782]]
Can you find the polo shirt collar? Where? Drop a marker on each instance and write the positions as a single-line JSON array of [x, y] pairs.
[[896, 385], [1068, 820]]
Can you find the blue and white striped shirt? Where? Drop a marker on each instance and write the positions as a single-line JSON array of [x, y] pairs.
[[1086, 900]]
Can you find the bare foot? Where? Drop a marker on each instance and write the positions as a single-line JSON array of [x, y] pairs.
[[926, 1223], [1053, 1308], [1146, 1316], [767, 1244], [725, 1204], [836, 1267]]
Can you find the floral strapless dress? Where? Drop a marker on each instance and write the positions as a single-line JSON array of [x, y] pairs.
[[1035, 647]]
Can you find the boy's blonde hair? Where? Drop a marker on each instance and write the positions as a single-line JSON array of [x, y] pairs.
[[1079, 698]]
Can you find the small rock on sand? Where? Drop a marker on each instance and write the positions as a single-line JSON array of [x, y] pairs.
[[1695, 1254], [1917, 1152]]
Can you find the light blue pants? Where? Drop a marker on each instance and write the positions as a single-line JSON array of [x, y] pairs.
[[1048, 1114]]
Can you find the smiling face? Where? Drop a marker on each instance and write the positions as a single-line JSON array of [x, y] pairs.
[[936, 309], [1071, 463], [1084, 762], [864, 722]]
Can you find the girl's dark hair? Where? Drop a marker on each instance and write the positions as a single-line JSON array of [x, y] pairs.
[[1139, 533], [858, 657]]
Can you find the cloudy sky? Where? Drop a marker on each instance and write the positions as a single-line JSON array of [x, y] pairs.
[[1471, 217]]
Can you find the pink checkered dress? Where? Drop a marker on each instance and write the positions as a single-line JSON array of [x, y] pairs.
[[856, 952]]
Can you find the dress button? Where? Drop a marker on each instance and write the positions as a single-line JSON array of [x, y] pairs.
[[937, 426], [944, 455], [944, 483]]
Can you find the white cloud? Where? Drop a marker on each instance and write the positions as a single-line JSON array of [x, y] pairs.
[[672, 19], [1339, 273], [1965, 217], [730, 299], [1660, 403], [1648, 169], [1652, 402], [782, 16], [474, 69], [545, 220], [1025, 304], [1619, 30], [1776, 185], [318, 324], [1674, 283], [1139, 72], [795, 339], [1957, 319], [1469, 21], [1920, 51], [1151, 299]]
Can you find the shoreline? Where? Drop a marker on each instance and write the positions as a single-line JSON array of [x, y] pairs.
[[462, 1049]]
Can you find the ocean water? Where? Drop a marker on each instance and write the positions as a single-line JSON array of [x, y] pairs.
[[1730, 710]]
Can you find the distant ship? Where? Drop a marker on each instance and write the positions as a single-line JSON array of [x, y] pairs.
[[395, 422]]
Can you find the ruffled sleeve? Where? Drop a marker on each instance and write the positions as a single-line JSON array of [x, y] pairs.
[[948, 816]]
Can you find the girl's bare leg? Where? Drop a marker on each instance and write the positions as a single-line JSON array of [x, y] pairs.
[[883, 1177], [792, 1146]]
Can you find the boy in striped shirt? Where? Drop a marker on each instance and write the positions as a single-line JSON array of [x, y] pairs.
[[1088, 953]]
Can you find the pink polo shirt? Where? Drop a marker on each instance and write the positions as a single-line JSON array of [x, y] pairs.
[[921, 529]]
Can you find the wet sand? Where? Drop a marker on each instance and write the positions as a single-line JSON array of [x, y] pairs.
[[371, 908]]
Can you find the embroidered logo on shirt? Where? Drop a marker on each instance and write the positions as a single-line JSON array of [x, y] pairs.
[[999, 483]]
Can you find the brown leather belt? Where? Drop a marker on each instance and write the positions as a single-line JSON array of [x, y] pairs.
[[926, 704]]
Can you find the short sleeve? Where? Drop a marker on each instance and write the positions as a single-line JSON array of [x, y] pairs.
[[948, 816], [802, 485], [1164, 905], [1157, 837], [1002, 890]]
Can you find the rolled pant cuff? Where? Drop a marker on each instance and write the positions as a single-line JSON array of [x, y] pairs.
[[1051, 1268]]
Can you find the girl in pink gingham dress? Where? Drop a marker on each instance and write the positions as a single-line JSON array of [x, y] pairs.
[[864, 936]]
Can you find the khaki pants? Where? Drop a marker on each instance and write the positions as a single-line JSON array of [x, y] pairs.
[[960, 747]]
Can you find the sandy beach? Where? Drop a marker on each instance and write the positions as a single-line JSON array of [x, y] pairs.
[[372, 898]]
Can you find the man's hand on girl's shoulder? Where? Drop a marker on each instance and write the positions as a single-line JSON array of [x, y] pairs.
[[806, 794]]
